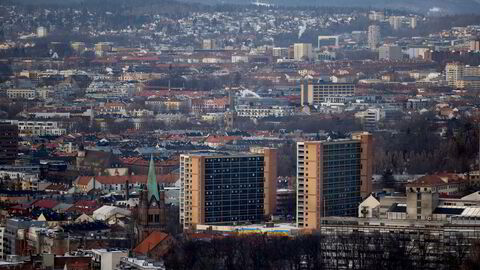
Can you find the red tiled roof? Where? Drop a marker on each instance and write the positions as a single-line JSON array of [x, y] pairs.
[[428, 180], [436, 180], [142, 162], [86, 204], [57, 187], [83, 180], [152, 241], [134, 179], [87, 211], [221, 139], [48, 204]]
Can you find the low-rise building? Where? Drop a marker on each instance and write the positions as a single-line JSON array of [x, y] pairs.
[[21, 93], [263, 111], [370, 117], [38, 128], [107, 259]]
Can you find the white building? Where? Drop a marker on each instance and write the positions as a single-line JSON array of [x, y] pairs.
[[261, 112], [110, 90], [395, 22], [108, 259], [376, 15], [110, 214], [21, 93], [280, 52], [140, 264], [371, 117], [413, 22], [42, 31], [239, 59], [16, 174], [417, 52], [38, 128], [369, 207], [302, 51]]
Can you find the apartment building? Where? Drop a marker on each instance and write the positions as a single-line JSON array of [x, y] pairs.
[[370, 117], [302, 51], [15, 235], [20, 93], [8, 143], [332, 177], [38, 128], [263, 111], [462, 76], [317, 93], [227, 188], [99, 89]]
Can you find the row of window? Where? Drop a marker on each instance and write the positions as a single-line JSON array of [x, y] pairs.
[[225, 190], [234, 175], [235, 164], [231, 202], [154, 218], [252, 218], [337, 173], [234, 198], [235, 170], [233, 159], [233, 210], [234, 180]]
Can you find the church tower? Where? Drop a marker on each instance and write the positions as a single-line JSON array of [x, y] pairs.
[[150, 214]]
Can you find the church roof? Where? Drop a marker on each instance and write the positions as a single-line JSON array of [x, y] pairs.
[[152, 185], [151, 242]]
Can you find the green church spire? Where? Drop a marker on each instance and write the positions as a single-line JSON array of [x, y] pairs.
[[152, 186]]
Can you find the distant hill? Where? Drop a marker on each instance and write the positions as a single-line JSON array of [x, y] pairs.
[[423, 6]]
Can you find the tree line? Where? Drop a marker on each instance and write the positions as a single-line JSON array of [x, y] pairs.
[[418, 147], [327, 251]]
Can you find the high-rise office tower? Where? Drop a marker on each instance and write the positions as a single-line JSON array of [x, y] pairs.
[[333, 176], [373, 36], [8, 143], [223, 188]]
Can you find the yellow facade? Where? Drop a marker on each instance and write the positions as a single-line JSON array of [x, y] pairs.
[[192, 177]]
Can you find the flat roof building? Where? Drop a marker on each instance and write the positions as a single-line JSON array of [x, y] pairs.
[[302, 51], [328, 41], [223, 188], [332, 177], [317, 93]]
